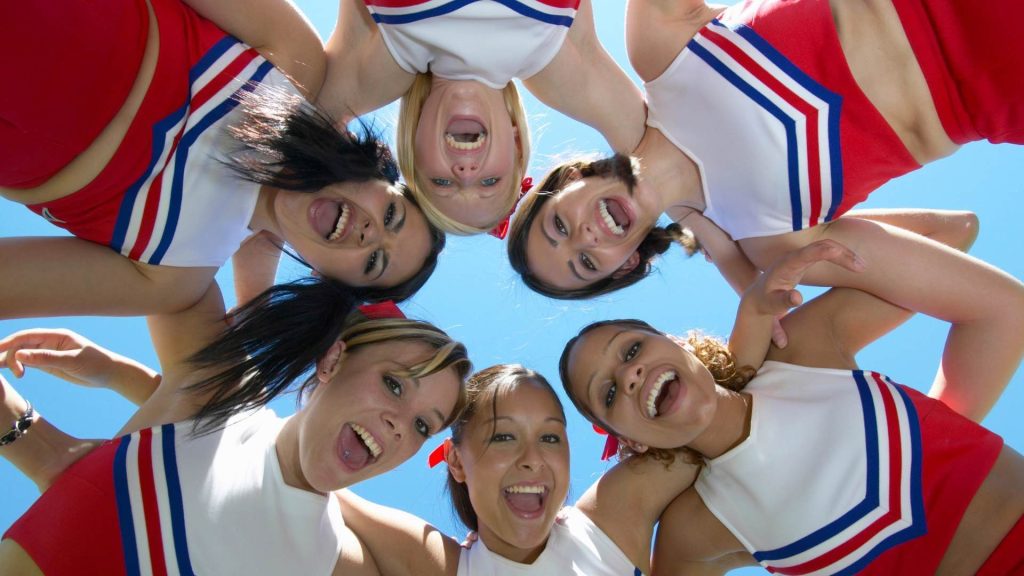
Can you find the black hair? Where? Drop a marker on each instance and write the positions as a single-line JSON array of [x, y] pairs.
[[269, 343], [657, 241], [291, 144]]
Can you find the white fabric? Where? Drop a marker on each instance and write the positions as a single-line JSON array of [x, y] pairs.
[[240, 516], [749, 142], [819, 447], [483, 41], [575, 547]]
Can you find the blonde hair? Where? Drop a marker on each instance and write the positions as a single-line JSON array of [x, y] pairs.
[[409, 119]]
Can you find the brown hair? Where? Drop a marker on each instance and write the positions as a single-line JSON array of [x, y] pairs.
[[620, 167], [712, 352], [483, 389], [409, 120]]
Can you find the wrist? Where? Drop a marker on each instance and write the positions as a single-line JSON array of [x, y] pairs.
[[20, 426]]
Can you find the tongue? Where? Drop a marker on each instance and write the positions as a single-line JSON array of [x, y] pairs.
[[668, 392], [354, 452], [326, 216], [465, 127], [527, 503], [617, 213]]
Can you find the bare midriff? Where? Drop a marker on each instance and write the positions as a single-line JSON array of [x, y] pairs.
[[91, 161], [995, 509], [885, 68]]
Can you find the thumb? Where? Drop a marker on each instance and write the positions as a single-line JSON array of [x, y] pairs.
[[781, 301]]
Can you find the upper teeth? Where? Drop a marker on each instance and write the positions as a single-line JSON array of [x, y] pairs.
[[615, 228], [525, 489], [652, 398], [476, 143], [340, 224], [367, 439]]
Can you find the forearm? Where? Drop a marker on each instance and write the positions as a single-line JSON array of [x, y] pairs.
[[984, 305], [955, 228], [255, 266], [70, 277], [131, 379]]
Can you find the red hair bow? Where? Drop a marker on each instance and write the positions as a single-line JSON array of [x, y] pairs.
[[439, 454], [382, 310], [501, 230], [611, 443]]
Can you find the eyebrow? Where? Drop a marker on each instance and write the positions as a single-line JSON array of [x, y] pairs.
[[548, 419], [590, 382], [385, 258]]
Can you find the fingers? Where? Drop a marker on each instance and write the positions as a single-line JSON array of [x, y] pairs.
[[37, 340], [779, 336], [831, 251], [45, 358]]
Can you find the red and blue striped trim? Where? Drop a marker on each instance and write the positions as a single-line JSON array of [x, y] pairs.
[[892, 510], [555, 12], [150, 210], [149, 504], [808, 112]]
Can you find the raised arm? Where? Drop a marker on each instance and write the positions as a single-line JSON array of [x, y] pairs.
[[361, 73], [657, 30], [401, 544], [78, 360], [626, 502], [72, 277], [44, 451], [984, 305], [585, 83], [255, 265], [278, 30]]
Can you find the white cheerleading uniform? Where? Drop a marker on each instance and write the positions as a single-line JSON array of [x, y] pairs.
[[576, 547], [490, 41], [846, 472]]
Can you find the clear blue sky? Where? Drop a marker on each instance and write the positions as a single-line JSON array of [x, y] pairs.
[[476, 297]]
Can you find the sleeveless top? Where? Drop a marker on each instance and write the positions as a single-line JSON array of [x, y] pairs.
[[490, 41]]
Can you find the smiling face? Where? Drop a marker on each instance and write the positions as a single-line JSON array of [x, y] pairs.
[[515, 462], [466, 152], [364, 234], [643, 386], [589, 230], [365, 416]]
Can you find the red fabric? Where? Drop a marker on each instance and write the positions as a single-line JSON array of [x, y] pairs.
[[91, 212], [957, 456], [73, 527], [803, 31], [68, 67], [1008, 558], [972, 56]]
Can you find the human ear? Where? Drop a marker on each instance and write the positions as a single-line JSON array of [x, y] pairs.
[[455, 465], [328, 364], [635, 446], [628, 266]]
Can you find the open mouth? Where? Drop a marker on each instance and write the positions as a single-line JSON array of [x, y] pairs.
[[664, 389], [358, 447], [526, 500], [341, 223], [465, 135], [614, 216]]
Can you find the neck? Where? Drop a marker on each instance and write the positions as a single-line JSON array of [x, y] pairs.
[[509, 551], [287, 447], [729, 426], [263, 215], [670, 173]]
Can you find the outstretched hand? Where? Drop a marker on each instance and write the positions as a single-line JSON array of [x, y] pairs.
[[774, 292], [59, 352]]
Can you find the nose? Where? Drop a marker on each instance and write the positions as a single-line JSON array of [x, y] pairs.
[[587, 235], [530, 458], [368, 232], [465, 169], [392, 425], [630, 377]]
